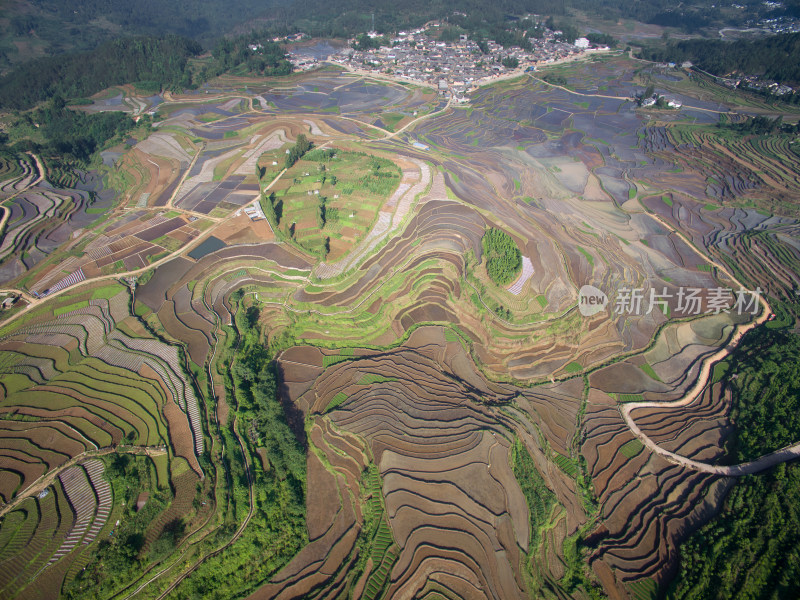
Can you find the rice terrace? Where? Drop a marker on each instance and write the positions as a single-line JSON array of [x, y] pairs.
[[317, 335]]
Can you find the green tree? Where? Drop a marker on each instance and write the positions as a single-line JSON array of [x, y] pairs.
[[503, 257]]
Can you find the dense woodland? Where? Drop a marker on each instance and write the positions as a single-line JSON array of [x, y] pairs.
[[764, 377], [503, 258], [163, 61], [257, 393], [70, 133], [236, 55], [752, 550], [78, 25], [277, 528], [773, 57]]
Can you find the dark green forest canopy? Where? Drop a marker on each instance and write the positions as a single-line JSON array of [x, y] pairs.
[[78, 24], [764, 377], [774, 57], [503, 258], [127, 60], [752, 550], [236, 55], [74, 134]]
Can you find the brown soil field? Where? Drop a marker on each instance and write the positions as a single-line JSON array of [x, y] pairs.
[[180, 432], [153, 293], [425, 435], [241, 230]]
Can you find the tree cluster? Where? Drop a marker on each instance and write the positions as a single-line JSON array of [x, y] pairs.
[[251, 54], [257, 380], [73, 134], [503, 257], [760, 125], [774, 57], [126, 60], [766, 393], [751, 549], [364, 42], [601, 39], [301, 146]]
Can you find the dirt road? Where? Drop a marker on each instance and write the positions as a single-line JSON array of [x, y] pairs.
[[703, 380]]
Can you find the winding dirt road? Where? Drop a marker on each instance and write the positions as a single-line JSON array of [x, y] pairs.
[[45, 480], [703, 380]]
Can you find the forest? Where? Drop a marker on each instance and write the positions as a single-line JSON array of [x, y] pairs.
[[235, 55], [277, 529], [752, 549], [126, 60], [81, 25], [66, 133], [773, 57], [764, 377], [503, 258], [256, 382], [73, 133]]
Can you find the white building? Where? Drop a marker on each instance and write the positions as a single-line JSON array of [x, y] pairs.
[[582, 43]]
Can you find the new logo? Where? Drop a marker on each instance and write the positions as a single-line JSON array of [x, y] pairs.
[[591, 300]]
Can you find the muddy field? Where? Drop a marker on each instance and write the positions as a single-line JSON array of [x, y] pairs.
[[433, 400]]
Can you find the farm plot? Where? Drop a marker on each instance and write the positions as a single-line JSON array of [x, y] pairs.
[[16, 173], [29, 536], [452, 502], [121, 248], [330, 198], [648, 503], [97, 390]]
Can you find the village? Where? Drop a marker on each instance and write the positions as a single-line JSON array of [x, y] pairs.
[[454, 68]]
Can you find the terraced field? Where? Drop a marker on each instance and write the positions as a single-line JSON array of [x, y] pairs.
[[461, 439]]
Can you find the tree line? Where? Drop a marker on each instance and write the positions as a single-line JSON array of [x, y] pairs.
[[301, 146], [759, 125], [126, 60], [250, 54], [69, 134], [256, 379], [774, 57], [752, 549], [277, 528]]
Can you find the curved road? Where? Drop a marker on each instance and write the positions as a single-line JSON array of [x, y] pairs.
[[35, 302], [703, 379], [45, 480]]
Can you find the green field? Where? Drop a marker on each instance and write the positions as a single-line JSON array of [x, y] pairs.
[[329, 199]]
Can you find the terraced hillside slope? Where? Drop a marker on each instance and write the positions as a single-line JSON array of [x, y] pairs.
[[227, 373]]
